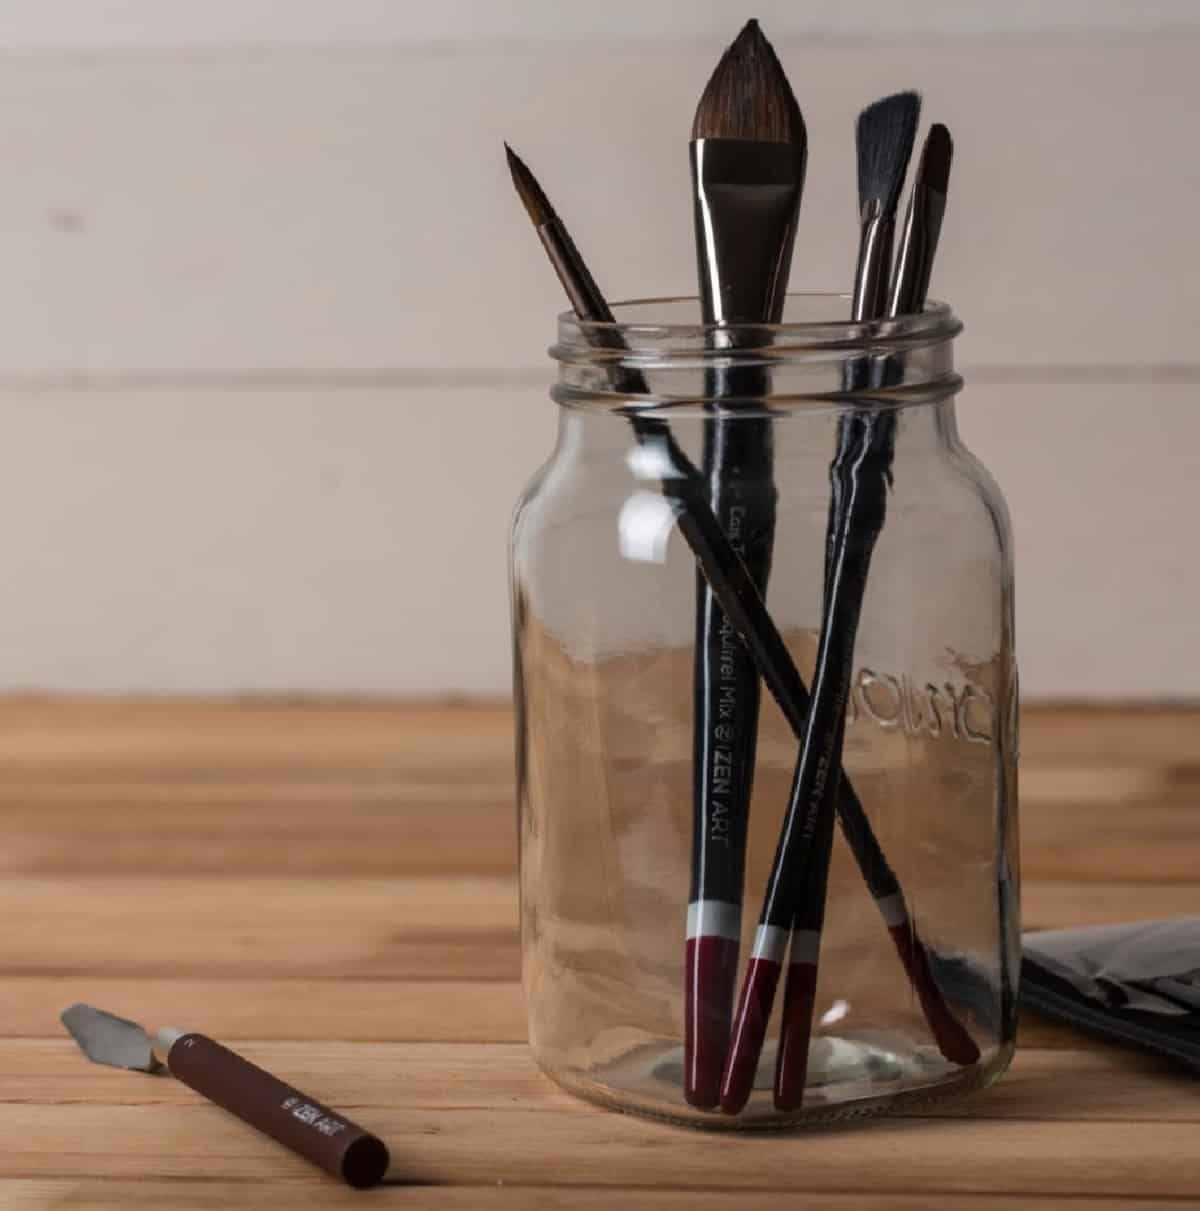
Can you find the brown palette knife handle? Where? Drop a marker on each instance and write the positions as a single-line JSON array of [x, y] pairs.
[[294, 1119]]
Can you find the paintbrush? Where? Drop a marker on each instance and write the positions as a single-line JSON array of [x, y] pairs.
[[885, 135], [684, 485], [922, 224], [883, 129], [292, 1118], [748, 155]]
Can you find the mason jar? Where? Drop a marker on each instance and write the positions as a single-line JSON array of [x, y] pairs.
[[612, 555]]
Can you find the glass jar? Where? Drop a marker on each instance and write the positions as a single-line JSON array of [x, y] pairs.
[[607, 688]]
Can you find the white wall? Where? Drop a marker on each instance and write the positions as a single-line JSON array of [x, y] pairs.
[[268, 312]]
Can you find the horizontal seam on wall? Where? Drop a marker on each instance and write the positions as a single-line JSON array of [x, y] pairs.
[[419, 378], [1130, 37]]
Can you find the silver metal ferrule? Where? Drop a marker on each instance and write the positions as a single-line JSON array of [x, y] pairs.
[[166, 1037], [918, 244], [874, 263]]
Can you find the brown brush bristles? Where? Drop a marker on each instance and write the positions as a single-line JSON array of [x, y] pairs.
[[748, 96], [528, 190]]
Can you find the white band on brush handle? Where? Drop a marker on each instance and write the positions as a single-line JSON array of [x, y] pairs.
[[894, 910], [770, 943], [806, 947], [714, 919]]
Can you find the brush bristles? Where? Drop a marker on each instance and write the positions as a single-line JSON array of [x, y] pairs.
[[934, 171], [528, 190], [886, 132], [748, 96]]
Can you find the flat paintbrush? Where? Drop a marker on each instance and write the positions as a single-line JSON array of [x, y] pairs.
[[749, 151]]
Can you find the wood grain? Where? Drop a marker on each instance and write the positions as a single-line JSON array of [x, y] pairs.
[[209, 1195], [1092, 1084], [544, 1145], [333, 887]]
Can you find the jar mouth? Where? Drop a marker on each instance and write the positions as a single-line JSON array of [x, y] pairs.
[[671, 326], [659, 352]]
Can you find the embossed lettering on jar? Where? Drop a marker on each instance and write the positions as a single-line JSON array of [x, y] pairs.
[[604, 590]]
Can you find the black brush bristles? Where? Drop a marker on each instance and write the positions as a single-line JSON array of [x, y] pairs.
[[748, 96], [528, 190], [885, 136], [934, 170]]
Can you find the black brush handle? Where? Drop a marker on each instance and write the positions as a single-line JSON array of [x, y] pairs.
[[860, 497], [738, 468], [800, 989], [742, 498], [861, 465], [742, 603], [860, 477], [859, 474]]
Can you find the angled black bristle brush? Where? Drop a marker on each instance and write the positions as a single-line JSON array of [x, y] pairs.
[[748, 154], [885, 138], [687, 488]]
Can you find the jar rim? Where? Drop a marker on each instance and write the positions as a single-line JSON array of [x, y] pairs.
[[635, 334]]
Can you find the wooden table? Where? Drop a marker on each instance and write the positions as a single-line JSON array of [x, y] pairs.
[[315, 882]]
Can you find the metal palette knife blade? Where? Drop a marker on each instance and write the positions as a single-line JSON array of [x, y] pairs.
[[108, 1039]]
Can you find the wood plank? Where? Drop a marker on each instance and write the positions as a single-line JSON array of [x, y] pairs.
[[73, 803], [85, 787], [1136, 840], [67, 741], [199, 743], [218, 1195], [396, 827], [467, 1011], [352, 1010], [1151, 736], [1016, 1156], [420, 928], [1054, 905], [1074, 1086], [429, 928], [339, 827]]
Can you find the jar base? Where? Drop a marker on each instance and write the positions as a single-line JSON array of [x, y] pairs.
[[848, 1078]]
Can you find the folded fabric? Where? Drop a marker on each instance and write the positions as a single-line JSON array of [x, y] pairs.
[[1137, 984]]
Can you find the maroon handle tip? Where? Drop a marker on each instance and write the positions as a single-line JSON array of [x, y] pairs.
[[711, 971], [749, 1031], [952, 1037], [795, 1035]]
